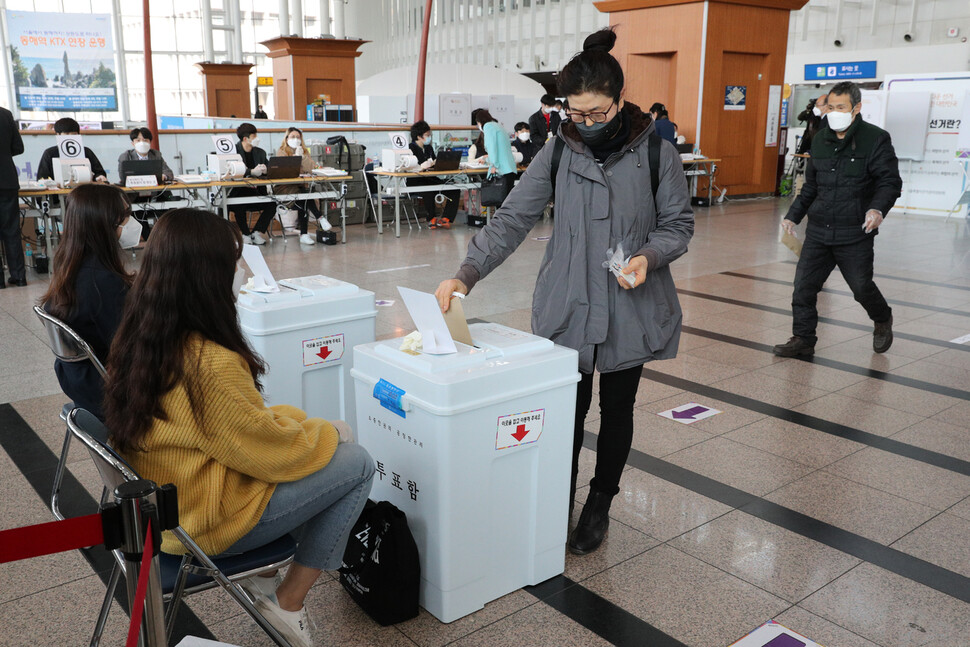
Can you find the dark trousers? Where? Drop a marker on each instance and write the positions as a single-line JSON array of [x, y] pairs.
[[303, 209], [618, 394], [10, 235], [814, 266], [451, 204], [267, 210]]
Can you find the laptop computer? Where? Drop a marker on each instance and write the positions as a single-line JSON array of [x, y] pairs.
[[447, 160], [283, 167], [140, 167]]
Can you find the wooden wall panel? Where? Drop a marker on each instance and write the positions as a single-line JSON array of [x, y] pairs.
[[227, 90], [670, 37], [736, 54]]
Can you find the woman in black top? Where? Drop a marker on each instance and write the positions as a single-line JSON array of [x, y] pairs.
[[87, 292], [421, 148]]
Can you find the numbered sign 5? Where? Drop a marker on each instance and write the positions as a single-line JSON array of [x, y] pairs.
[[223, 144], [70, 146], [399, 140]]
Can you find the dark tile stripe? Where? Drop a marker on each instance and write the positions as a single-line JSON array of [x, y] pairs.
[[825, 426], [909, 280], [37, 463], [828, 320], [846, 293], [900, 563], [841, 366], [605, 619]]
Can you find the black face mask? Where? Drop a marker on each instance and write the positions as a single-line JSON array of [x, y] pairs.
[[599, 134]]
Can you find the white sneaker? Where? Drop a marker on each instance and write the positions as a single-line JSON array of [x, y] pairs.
[[262, 587], [324, 223], [307, 239], [257, 238], [292, 625]]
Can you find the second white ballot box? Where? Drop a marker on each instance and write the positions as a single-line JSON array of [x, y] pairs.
[[475, 447], [306, 332]]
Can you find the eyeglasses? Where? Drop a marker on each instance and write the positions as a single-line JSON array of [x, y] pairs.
[[595, 117]]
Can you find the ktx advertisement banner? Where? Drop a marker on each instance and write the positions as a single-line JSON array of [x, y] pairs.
[[63, 61]]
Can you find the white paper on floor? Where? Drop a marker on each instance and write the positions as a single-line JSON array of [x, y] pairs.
[[960, 340], [688, 413], [772, 634]]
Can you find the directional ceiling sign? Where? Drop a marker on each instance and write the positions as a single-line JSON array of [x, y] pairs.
[[688, 413]]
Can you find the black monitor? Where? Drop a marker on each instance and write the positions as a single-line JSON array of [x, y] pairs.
[[141, 167]]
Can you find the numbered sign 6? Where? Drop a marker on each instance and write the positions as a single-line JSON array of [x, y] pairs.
[[70, 146]]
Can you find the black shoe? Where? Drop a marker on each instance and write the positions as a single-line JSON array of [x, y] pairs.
[[23, 282], [882, 336], [593, 523], [794, 347]]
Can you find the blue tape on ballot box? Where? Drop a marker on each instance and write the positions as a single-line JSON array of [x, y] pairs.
[[390, 397]]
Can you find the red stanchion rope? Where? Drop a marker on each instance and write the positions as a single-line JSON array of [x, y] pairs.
[[52, 537], [138, 606]]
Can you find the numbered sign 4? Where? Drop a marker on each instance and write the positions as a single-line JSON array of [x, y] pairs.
[[399, 140]]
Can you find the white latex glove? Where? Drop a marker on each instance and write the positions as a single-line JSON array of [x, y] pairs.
[[426, 164], [344, 431], [517, 156], [482, 160], [258, 170]]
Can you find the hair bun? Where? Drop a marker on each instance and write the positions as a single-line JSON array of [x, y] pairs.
[[601, 41]]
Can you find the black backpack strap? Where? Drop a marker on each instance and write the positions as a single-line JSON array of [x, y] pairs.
[[556, 157], [654, 157]]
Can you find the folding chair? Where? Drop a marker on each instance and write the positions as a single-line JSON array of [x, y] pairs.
[[67, 346], [180, 575], [373, 195]]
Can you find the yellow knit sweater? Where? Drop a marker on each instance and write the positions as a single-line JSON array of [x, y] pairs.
[[227, 468]]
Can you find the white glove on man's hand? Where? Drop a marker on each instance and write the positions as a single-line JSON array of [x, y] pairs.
[[258, 170], [426, 164]]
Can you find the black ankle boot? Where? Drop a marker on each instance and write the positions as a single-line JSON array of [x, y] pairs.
[[593, 523]]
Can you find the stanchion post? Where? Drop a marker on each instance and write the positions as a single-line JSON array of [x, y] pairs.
[[138, 503]]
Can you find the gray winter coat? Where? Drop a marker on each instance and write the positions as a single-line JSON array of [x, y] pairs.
[[577, 303]]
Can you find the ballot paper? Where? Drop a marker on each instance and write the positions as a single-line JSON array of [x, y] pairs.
[[457, 324], [792, 243], [263, 280], [427, 317]]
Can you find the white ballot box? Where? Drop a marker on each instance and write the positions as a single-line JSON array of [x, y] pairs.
[[475, 447], [305, 332]]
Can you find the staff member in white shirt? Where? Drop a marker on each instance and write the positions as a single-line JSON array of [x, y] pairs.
[[141, 149]]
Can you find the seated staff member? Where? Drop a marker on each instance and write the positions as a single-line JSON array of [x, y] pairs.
[[255, 159], [183, 405], [523, 143], [661, 121], [421, 148], [87, 292], [141, 149], [293, 145], [68, 126]]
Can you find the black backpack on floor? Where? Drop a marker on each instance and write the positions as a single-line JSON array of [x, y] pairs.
[[381, 571]]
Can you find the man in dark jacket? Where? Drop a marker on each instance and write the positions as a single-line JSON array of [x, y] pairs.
[[544, 123], [10, 144], [255, 159], [68, 126], [851, 182]]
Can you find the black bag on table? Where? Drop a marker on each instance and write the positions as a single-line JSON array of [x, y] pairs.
[[493, 191], [381, 571]]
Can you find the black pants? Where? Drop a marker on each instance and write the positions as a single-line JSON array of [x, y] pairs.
[[10, 235], [618, 394], [451, 204], [814, 266], [303, 209], [267, 209]]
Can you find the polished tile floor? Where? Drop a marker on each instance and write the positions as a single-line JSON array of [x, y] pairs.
[[832, 495]]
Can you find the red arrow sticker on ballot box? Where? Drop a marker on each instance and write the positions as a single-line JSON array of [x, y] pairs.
[[323, 350], [519, 429]]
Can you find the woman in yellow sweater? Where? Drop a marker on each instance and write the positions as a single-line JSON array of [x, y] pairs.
[[183, 405]]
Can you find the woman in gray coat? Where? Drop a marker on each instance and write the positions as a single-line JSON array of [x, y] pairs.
[[604, 199]]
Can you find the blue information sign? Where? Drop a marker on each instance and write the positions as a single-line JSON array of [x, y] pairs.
[[854, 70]]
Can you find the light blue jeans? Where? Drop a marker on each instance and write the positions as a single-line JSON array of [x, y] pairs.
[[319, 510]]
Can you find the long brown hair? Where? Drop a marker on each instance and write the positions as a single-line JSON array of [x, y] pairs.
[[92, 214], [184, 287]]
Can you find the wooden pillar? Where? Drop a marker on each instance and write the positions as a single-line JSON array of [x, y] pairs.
[[686, 53], [305, 68], [226, 89]]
